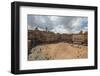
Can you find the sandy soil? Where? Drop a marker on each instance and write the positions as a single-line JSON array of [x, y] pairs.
[[58, 51]]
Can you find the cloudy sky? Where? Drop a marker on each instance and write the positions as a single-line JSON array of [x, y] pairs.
[[58, 24]]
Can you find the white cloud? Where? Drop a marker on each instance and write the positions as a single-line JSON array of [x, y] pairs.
[[85, 29], [76, 23], [58, 24], [30, 27], [59, 29], [54, 18]]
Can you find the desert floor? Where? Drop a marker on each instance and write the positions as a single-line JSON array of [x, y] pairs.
[[58, 51]]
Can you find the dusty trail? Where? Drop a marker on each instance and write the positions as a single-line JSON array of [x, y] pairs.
[[58, 51]]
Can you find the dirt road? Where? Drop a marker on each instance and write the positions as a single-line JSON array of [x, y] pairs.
[[58, 51]]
